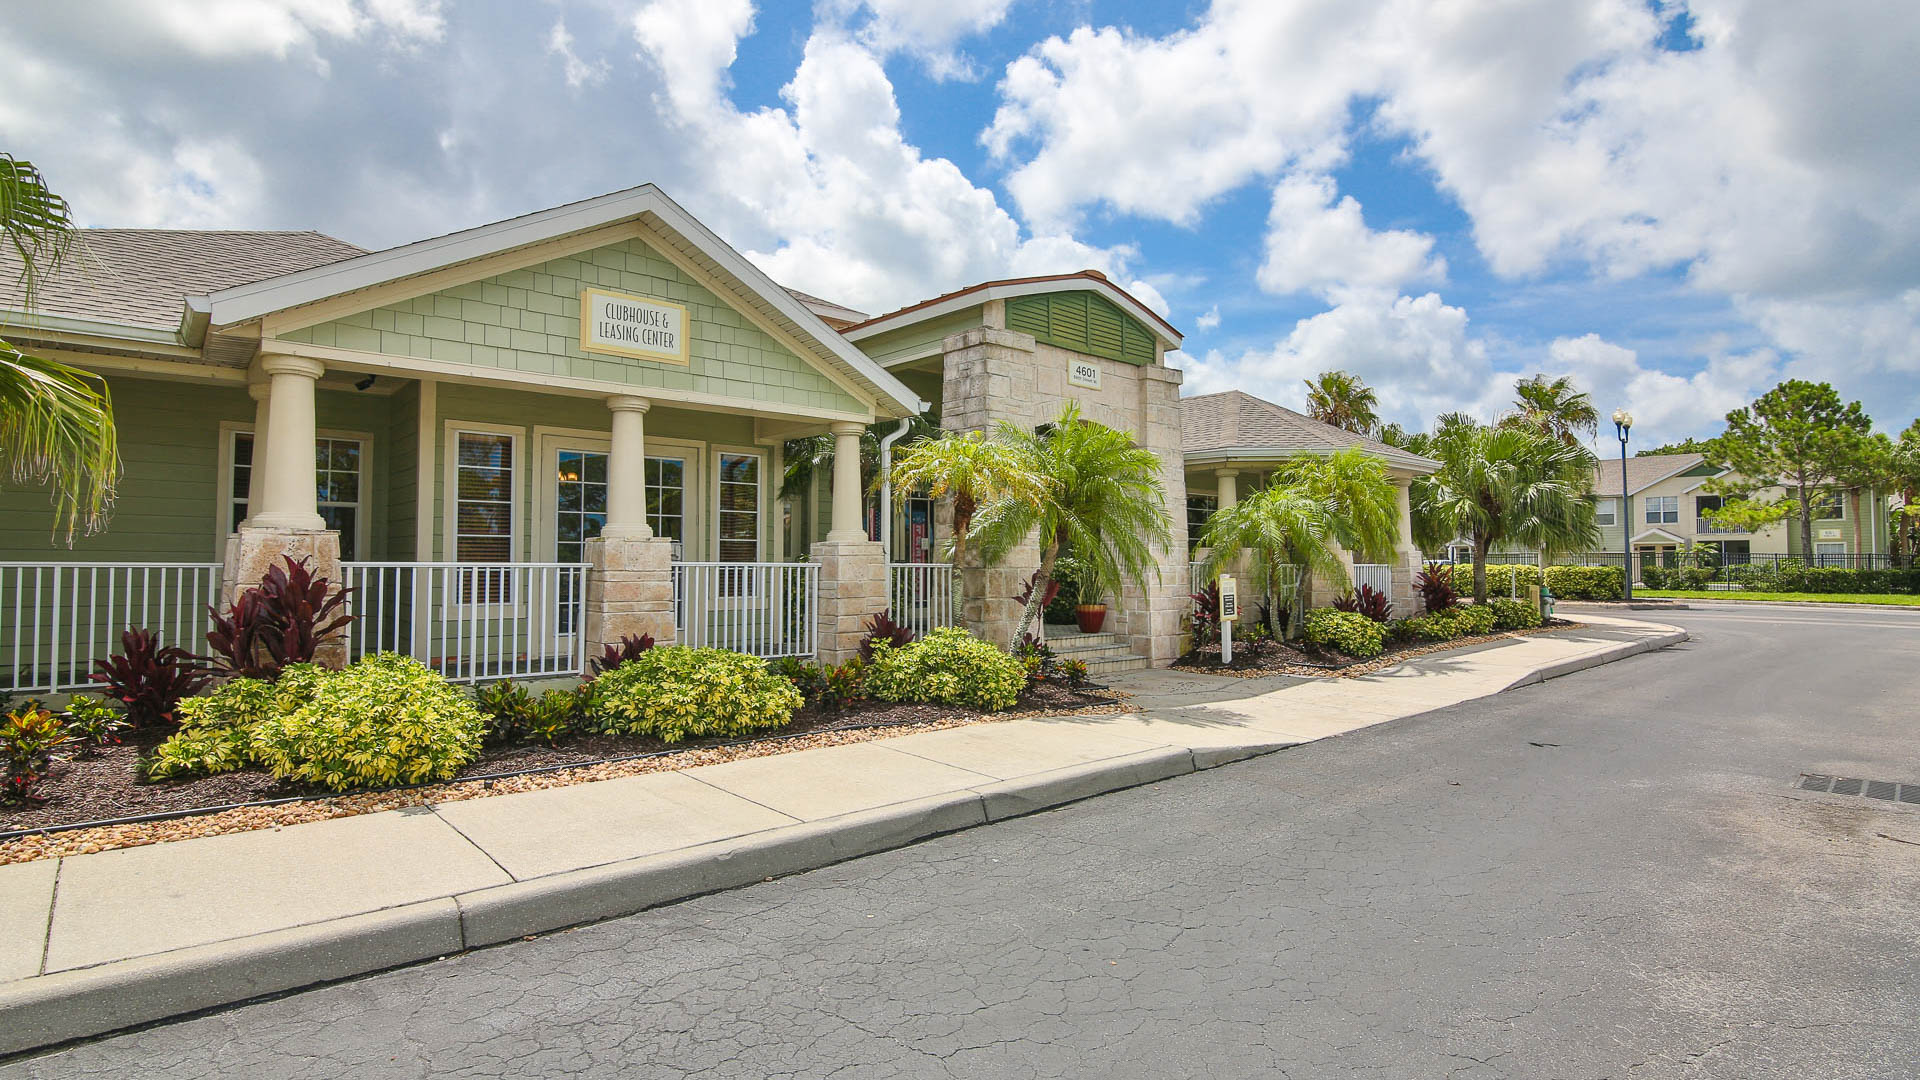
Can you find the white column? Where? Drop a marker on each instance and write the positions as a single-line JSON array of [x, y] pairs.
[[627, 471], [780, 507], [1403, 498], [1229, 490], [289, 501], [847, 525], [260, 391]]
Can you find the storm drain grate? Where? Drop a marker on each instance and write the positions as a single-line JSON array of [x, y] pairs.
[[1886, 790]]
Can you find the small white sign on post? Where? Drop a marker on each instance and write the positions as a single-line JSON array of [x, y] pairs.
[[635, 326], [1084, 373], [1229, 611]]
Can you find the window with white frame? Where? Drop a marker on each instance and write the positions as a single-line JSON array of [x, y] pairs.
[[1663, 509], [1606, 511], [1829, 554], [739, 508], [1829, 506], [338, 463], [483, 511], [666, 487]]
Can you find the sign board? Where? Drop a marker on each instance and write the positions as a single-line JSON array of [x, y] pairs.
[[635, 326], [1084, 373], [1829, 534], [1229, 598]]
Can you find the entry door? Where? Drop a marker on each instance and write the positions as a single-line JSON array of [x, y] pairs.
[[576, 512]]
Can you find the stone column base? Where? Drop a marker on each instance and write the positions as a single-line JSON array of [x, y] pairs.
[[1406, 598], [254, 550], [853, 589], [629, 591]]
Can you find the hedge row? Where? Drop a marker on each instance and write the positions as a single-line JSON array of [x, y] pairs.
[[1565, 582], [1794, 577]]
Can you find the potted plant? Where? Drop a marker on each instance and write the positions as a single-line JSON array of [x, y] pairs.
[[1090, 613]]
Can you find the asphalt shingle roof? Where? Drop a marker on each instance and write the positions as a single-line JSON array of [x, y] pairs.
[[1238, 421], [142, 277], [1642, 472]]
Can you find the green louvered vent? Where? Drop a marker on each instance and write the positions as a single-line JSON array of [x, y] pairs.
[[1083, 322]]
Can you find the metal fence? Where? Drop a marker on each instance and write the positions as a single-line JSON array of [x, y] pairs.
[[1764, 572], [56, 619], [471, 622], [1377, 576], [764, 609], [920, 595]]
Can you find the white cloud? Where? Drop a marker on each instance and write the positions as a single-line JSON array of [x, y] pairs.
[[578, 72], [832, 198], [1317, 244], [1664, 405], [930, 30], [1210, 320]]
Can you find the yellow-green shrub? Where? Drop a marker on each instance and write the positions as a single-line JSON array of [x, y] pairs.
[[949, 666], [216, 730], [1464, 620], [388, 719], [674, 693], [1585, 582], [1348, 632], [1514, 614]]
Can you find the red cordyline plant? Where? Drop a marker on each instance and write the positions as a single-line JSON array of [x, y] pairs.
[[150, 680], [612, 656], [1367, 601], [283, 620], [882, 630], [1435, 586]]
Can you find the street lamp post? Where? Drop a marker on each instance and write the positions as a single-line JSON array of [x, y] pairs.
[[1623, 425]]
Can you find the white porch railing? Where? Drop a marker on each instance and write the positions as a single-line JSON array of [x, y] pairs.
[[472, 622], [764, 609], [1377, 575], [920, 595], [56, 619]]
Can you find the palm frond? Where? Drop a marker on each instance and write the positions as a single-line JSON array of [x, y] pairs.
[[56, 428], [37, 223]]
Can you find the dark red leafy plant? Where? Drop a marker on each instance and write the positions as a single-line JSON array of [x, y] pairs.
[[148, 679], [283, 620], [1436, 590], [1366, 601], [882, 630], [612, 656]]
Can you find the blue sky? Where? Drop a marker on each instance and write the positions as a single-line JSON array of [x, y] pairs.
[[1678, 202]]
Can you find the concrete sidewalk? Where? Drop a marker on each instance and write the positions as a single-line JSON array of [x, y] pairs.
[[92, 943]]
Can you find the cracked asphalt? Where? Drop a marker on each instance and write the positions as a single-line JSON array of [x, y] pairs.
[[1609, 875]]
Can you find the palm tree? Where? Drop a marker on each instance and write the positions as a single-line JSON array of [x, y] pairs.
[[1903, 469], [1341, 399], [1555, 408], [56, 422], [1504, 484], [1071, 483], [813, 454], [1313, 508]]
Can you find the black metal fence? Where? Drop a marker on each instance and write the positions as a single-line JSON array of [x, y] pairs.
[[1707, 568]]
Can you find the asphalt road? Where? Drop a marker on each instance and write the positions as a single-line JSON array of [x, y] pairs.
[[1608, 875]]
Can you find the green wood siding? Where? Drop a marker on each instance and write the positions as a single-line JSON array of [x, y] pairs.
[[908, 340], [402, 468], [1082, 322], [528, 320]]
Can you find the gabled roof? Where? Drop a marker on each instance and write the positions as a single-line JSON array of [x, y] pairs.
[[838, 316], [1235, 424], [1659, 536], [142, 277], [749, 286], [1079, 280], [1642, 472]]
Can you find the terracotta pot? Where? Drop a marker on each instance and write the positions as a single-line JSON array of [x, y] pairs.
[[1091, 617]]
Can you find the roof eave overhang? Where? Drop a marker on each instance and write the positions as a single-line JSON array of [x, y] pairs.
[[245, 303], [1169, 337], [26, 324], [1255, 454]]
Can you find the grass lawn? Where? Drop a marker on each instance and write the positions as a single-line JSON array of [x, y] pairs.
[[1903, 599]]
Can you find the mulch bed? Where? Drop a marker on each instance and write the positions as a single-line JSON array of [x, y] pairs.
[[101, 785], [1264, 658]]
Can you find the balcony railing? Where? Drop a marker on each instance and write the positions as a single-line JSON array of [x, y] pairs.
[[472, 622], [56, 619], [920, 595], [1377, 576], [764, 609]]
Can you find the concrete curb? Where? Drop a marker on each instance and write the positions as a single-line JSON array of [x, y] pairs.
[[46, 1010]]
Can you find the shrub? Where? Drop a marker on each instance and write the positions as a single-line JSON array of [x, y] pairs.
[[283, 620], [1514, 614], [881, 629], [94, 722], [1501, 578], [807, 677], [387, 719], [1435, 587], [844, 684], [508, 707], [28, 737], [612, 656], [1068, 573], [1075, 672], [1346, 632], [1366, 601], [676, 692], [216, 730], [149, 680], [1463, 620], [949, 666], [1585, 582], [1206, 617], [556, 715], [1253, 631], [1036, 657]]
